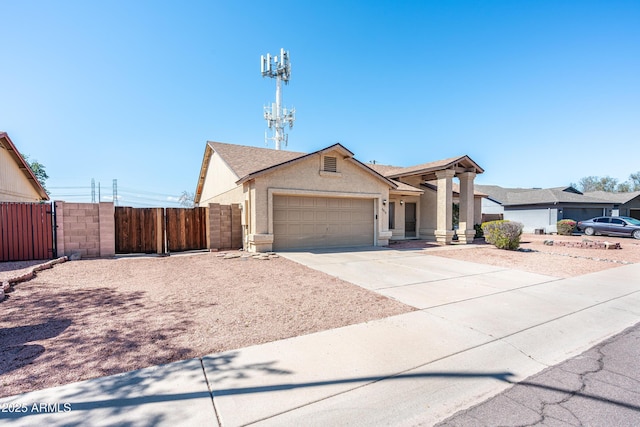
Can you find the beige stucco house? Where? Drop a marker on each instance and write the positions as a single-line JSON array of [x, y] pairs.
[[17, 181], [328, 198]]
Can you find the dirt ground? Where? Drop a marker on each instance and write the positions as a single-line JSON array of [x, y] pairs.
[[89, 318]]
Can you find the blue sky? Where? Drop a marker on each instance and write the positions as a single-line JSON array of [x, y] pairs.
[[539, 93]]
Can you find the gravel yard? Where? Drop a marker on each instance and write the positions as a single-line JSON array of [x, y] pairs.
[[89, 318], [555, 260]]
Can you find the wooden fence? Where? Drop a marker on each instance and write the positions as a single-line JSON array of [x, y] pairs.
[[26, 231], [139, 230], [186, 229], [159, 230]]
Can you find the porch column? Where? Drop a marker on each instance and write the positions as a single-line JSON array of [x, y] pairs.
[[444, 230], [466, 232]]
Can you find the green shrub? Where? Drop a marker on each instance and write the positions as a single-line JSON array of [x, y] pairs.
[[566, 226], [479, 232], [503, 234]]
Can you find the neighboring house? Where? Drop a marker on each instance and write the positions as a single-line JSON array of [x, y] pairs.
[[625, 204], [17, 181], [541, 208], [328, 198]]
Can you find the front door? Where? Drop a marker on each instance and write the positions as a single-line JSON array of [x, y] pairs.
[[409, 220]]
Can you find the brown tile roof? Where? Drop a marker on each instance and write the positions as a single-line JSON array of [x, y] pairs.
[[398, 171], [244, 160], [455, 188], [384, 170], [404, 187]]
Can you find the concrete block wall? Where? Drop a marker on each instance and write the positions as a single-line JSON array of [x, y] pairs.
[[236, 226], [87, 229], [214, 226], [225, 227]]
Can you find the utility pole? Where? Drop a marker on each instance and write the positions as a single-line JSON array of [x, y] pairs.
[[115, 192]]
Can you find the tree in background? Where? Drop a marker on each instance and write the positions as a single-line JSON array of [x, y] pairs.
[[187, 199], [39, 171], [595, 183], [624, 187], [634, 181], [611, 185]]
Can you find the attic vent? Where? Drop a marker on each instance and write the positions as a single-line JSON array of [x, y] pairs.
[[330, 164]]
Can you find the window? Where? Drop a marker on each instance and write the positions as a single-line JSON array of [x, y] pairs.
[[330, 164], [617, 221], [601, 220], [392, 215]]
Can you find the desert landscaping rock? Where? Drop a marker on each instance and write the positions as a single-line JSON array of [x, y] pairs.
[[555, 260], [108, 316], [231, 256]]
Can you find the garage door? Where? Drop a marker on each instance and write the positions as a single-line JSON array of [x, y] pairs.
[[581, 214], [321, 222], [634, 213]]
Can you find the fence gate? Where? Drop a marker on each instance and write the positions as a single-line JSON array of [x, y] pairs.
[[139, 230], [26, 231], [186, 229]]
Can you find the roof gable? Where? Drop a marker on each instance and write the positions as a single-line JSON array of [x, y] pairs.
[[348, 155], [7, 144], [250, 162], [461, 162]]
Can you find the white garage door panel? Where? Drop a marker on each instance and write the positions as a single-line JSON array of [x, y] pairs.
[[321, 222]]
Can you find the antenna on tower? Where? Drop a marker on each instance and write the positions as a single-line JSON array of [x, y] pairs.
[[277, 117]]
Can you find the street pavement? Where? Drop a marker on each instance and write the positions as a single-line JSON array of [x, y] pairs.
[[476, 331], [600, 387]]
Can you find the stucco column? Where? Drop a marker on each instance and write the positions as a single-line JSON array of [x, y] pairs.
[[466, 232], [444, 230]]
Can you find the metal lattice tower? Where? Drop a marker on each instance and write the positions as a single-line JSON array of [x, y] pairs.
[[278, 117]]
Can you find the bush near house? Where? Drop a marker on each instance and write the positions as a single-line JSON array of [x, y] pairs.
[[479, 232], [566, 227], [503, 234]]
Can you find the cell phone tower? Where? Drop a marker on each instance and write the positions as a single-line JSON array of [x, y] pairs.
[[277, 117]]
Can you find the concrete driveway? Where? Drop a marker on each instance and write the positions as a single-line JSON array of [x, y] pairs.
[[414, 278]]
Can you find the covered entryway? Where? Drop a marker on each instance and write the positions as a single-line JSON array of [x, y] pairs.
[[301, 222], [410, 220]]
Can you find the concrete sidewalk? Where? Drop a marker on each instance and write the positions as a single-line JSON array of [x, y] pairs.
[[478, 329]]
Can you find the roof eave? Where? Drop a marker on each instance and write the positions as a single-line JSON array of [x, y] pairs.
[[204, 168], [476, 168], [24, 166]]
